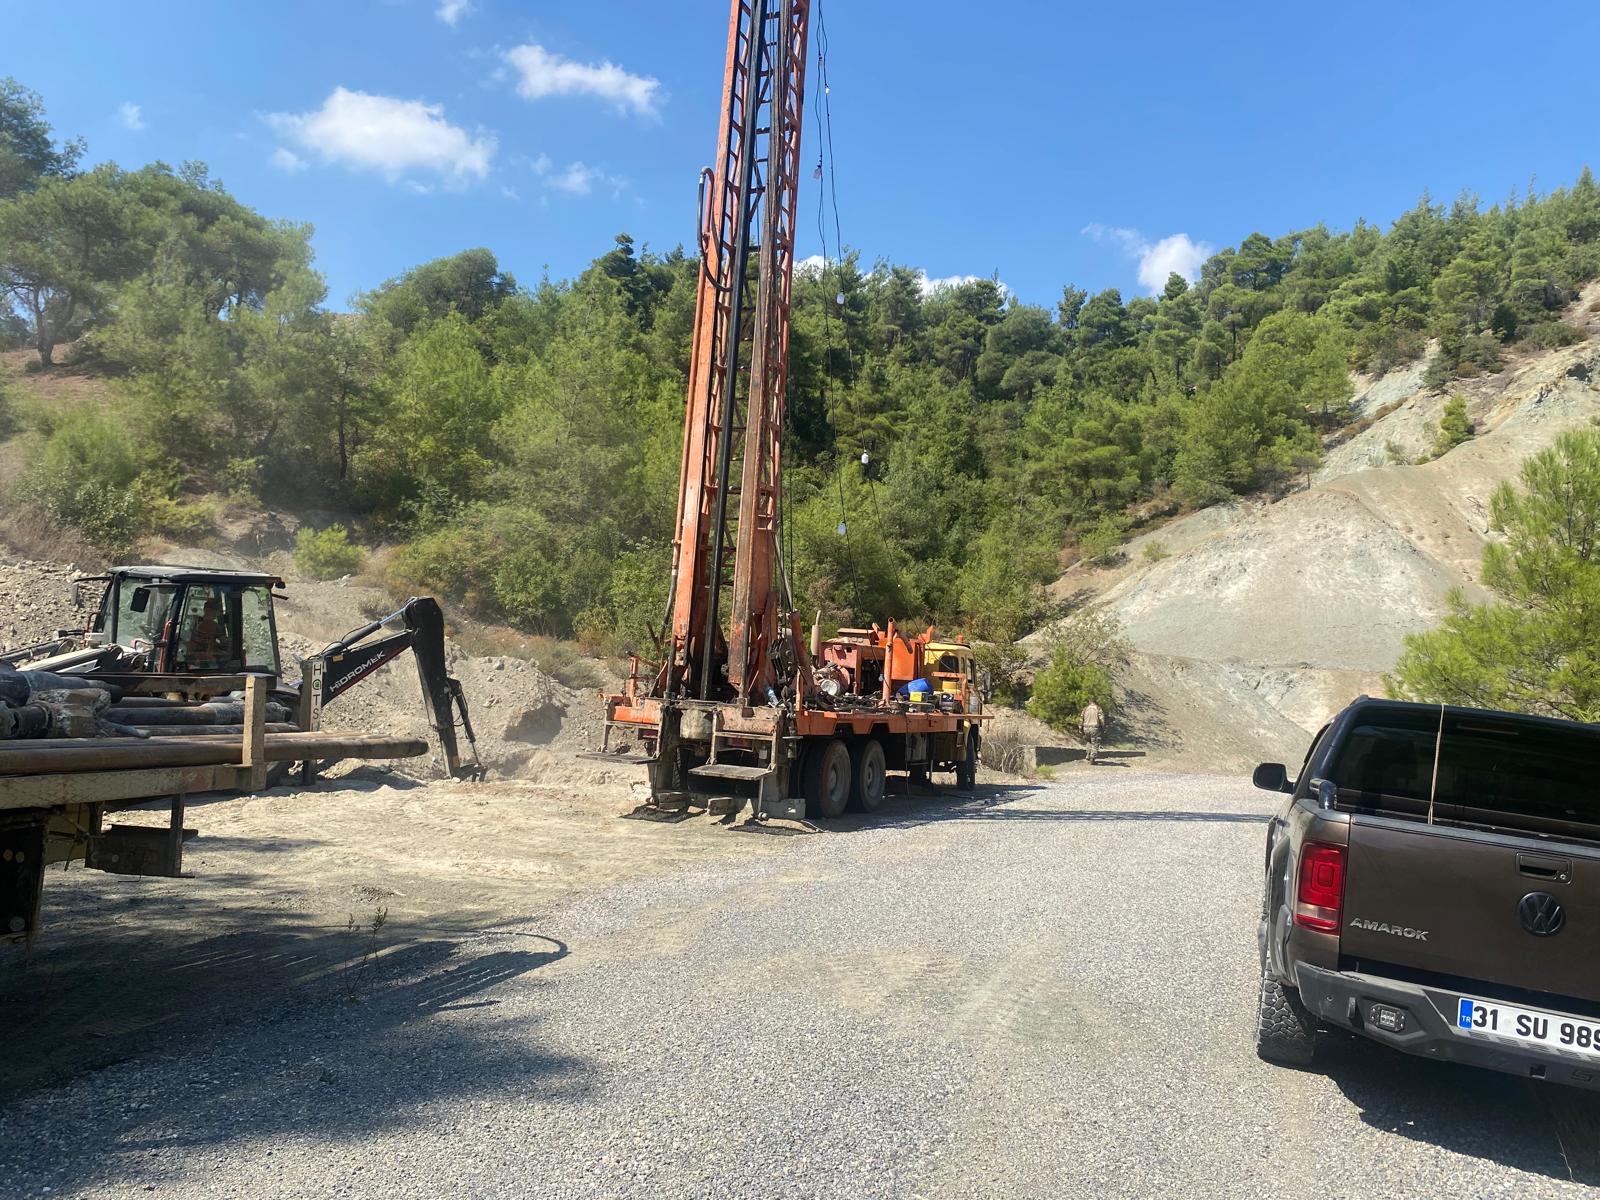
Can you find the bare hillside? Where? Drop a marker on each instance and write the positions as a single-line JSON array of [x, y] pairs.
[[1264, 619]]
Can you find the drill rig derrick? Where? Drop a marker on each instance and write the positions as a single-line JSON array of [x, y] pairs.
[[739, 367], [737, 710]]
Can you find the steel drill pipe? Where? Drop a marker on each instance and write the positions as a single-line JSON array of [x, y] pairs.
[[215, 713], [188, 731], [110, 754]]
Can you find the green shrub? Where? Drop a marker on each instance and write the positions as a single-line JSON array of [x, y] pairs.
[[84, 476], [1066, 685], [456, 561], [1454, 427], [326, 553], [1551, 335], [1101, 544], [1156, 550], [563, 661], [242, 476], [193, 521], [1003, 663]]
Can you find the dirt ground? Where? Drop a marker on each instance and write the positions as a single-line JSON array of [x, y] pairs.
[[296, 893], [299, 887]]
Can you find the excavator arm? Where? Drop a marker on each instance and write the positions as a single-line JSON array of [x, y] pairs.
[[418, 626]]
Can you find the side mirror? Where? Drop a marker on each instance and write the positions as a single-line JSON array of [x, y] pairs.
[[1271, 777], [77, 594]]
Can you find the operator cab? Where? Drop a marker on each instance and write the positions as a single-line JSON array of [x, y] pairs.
[[187, 620], [952, 671]]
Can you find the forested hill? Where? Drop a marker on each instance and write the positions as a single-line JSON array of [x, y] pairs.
[[522, 440]]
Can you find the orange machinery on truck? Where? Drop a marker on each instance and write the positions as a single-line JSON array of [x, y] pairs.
[[753, 710]]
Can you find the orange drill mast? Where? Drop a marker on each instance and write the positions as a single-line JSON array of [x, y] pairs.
[[746, 710], [739, 367]]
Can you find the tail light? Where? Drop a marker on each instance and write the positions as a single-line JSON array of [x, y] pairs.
[[1320, 896]]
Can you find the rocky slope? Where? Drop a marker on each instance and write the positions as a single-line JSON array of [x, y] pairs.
[[1265, 618]]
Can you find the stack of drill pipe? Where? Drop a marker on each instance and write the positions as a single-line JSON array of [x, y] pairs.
[[41, 704], [65, 755]]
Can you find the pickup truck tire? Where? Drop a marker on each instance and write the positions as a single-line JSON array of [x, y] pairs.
[[1286, 1032]]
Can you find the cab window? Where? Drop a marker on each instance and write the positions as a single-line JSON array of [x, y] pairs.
[[141, 614], [259, 637], [205, 641], [226, 627]]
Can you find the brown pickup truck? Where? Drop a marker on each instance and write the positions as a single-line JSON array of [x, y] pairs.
[[1433, 883]]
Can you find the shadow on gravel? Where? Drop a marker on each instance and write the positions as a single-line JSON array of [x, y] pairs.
[[996, 802], [1545, 1129], [280, 1032]]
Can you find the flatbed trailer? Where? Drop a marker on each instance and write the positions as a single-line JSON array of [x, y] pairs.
[[56, 793]]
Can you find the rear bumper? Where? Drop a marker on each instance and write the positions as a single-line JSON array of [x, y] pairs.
[[1347, 999]]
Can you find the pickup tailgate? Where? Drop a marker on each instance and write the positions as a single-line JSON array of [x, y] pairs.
[[1456, 901]]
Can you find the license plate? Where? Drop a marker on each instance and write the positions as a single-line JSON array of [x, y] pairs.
[[1555, 1031]]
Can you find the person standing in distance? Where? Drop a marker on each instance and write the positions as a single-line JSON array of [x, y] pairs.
[[1091, 723]]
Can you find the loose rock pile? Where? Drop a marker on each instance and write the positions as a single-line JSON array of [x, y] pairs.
[[36, 600]]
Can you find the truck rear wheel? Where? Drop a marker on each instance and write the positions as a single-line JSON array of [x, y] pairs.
[[1286, 1032], [868, 771], [827, 779], [967, 769]]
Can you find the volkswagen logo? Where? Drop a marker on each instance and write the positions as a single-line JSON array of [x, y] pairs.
[[1541, 914]]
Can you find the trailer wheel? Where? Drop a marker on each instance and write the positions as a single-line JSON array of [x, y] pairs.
[[827, 779], [967, 770], [867, 774]]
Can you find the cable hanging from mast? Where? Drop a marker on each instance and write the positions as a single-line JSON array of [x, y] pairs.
[[826, 172]]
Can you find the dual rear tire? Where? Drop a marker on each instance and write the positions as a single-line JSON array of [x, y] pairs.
[[837, 776]]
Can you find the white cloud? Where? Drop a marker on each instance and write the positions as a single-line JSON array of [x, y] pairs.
[[1175, 253], [451, 11], [576, 178], [813, 265], [288, 161], [1172, 255], [510, 193], [130, 116], [541, 73], [929, 286], [382, 133]]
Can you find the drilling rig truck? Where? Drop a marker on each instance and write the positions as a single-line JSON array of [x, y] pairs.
[[743, 704]]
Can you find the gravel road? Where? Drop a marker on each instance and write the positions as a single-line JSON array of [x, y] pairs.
[[1042, 990]]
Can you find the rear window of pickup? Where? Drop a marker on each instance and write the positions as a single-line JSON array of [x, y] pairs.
[[1494, 771]]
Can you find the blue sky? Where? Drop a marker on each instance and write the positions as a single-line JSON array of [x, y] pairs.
[[1048, 142]]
